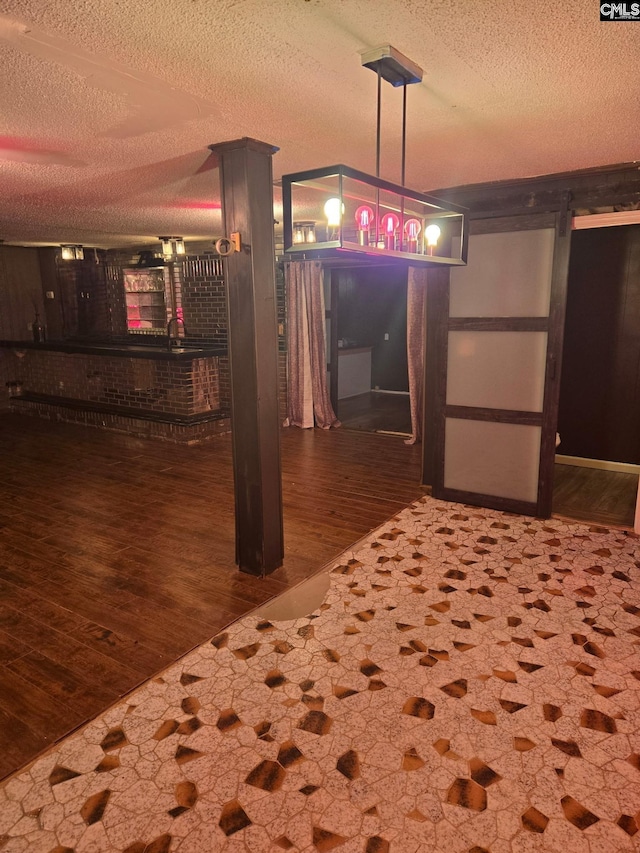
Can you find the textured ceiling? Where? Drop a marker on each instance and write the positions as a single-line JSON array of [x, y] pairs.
[[107, 106]]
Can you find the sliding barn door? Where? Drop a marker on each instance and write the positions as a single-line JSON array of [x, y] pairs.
[[498, 330]]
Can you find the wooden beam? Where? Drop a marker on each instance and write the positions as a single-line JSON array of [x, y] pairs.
[[247, 209], [589, 188]]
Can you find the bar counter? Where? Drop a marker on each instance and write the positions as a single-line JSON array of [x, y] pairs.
[[119, 348], [145, 389]]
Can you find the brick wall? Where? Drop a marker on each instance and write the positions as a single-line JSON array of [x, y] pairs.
[[176, 387], [204, 298]]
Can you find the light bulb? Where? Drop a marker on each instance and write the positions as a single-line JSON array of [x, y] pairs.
[[364, 217], [412, 229], [333, 210], [390, 224], [298, 233], [432, 234]]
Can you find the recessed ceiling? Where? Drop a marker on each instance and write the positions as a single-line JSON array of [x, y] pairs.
[[107, 108]]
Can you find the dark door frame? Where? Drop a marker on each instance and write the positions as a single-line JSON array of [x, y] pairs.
[[437, 329]]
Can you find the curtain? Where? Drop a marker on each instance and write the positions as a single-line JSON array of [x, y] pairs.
[[308, 401], [416, 321]]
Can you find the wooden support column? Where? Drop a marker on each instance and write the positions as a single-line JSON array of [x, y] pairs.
[[434, 373], [247, 208]]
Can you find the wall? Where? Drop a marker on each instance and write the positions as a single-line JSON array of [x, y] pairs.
[[372, 303], [20, 297], [20, 292]]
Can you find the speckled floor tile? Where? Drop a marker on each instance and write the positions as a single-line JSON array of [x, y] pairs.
[[470, 683]]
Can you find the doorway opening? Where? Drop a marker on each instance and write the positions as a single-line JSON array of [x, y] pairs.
[[371, 350], [598, 459]]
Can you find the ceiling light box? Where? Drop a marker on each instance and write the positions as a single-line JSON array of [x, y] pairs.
[[345, 217]]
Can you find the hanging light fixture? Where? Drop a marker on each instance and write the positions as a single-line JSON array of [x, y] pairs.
[[304, 232], [389, 218], [172, 247], [72, 252]]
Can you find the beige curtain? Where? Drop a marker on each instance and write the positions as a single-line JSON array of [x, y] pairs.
[[308, 402], [416, 320]]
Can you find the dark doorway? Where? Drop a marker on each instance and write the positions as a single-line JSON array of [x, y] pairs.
[[599, 413], [373, 384], [599, 409]]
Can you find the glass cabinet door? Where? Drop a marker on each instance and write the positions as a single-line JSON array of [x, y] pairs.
[[145, 297]]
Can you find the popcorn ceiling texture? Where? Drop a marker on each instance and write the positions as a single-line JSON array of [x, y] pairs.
[[108, 108], [469, 685]]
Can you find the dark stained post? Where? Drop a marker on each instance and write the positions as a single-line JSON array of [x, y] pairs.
[[247, 208]]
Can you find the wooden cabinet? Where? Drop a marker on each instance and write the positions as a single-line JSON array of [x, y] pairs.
[[81, 295]]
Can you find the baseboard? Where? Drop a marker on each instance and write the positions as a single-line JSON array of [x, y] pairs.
[[384, 391], [602, 464]]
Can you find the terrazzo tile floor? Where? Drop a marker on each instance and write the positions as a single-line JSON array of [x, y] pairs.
[[470, 682]]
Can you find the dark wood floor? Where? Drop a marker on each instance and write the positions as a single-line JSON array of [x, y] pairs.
[[376, 412], [581, 494], [588, 494], [117, 555]]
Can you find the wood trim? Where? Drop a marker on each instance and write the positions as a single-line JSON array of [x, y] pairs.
[[501, 416], [490, 501], [594, 187], [557, 312], [495, 221], [333, 347], [606, 220], [600, 464], [435, 378], [498, 324]]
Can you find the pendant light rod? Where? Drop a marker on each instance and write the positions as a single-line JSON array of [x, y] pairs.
[[378, 121], [404, 133], [398, 70]]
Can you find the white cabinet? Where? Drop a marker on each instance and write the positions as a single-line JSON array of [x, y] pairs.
[[354, 371]]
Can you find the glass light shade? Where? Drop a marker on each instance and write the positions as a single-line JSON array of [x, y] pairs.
[[172, 246], [72, 253], [304, 232]]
